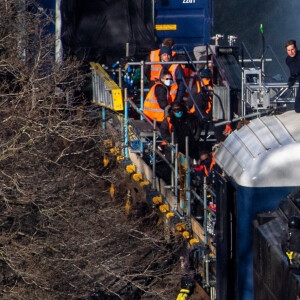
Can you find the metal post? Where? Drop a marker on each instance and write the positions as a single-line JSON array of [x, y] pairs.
[[103, 117], [176, 173], [141, 147], [173, 179], [127, 50], [154, 156], [120, 77], [263, 65], [205, 209], [206, 267], [213, 293], [206, 258], [187, 177], [243, 93], [126, 137], [58, 43], [142, 87], [153, 12]]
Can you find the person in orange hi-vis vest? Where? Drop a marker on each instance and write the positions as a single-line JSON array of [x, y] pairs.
[[201, 93], [160, 95], [205, 163], [152, 71], [174, 68]]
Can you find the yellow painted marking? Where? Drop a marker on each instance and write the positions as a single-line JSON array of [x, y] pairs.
[[166, 26]]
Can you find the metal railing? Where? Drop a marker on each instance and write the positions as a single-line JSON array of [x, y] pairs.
[[260, 95], [105, 91], [184, 193]]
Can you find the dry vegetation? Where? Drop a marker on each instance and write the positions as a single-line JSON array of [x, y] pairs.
[[62, 234]]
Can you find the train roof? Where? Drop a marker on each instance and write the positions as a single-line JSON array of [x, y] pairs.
[[264, 153]]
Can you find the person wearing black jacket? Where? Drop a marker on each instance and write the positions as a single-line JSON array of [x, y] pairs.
[[159, 96], [293, 62], [183, 124]]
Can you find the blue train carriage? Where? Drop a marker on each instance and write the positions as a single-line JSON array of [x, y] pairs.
[[189, 22], [259, 166], [275, 233]]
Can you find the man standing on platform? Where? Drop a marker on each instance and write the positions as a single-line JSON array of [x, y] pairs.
[[293, 62]]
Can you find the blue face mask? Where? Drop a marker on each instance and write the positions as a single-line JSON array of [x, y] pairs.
[[178, 114], [168, 82]]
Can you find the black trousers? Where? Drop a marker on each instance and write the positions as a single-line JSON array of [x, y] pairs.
[[297, 101]]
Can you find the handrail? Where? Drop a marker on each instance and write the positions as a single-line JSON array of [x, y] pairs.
[[166, 62], [182, 208]]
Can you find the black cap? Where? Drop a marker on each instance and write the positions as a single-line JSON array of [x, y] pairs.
[[165, 50], [206, 73]]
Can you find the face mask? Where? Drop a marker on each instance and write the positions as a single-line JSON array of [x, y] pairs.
[[178, 114], [168, 82]]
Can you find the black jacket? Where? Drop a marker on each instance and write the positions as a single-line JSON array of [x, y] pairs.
[[294, 65], [202, 99], [187, 125]]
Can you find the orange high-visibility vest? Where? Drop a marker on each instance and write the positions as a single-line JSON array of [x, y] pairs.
[[174, 86], [164, 143], [213, 162], [173, 91], [205, 81], [227, 129], [190, 79], [192, 109], [155, 69], [172, 69], [169, 124], [151, 107], [209, 105]]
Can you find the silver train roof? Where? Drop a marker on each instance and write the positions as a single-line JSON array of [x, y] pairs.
[[264, 153]]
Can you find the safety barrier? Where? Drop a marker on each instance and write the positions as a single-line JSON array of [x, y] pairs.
[[105, 91], [174, 201]]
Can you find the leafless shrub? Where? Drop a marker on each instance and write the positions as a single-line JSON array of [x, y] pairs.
[[62, 235]]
